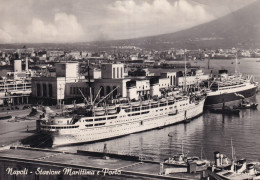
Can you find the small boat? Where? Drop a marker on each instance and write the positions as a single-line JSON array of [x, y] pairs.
[[125, 106], [110, 108], [100, 113], [112, 111], [135, 104], [163, 100], [145, 103], [246, 105]]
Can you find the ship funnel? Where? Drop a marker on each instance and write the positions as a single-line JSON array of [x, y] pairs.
[[221, 159], [216, 157], [250, 169]]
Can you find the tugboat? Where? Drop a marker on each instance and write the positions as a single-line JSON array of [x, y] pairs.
[[183, 160], [231, 169]]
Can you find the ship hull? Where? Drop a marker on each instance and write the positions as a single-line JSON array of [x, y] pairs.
[[217, 99], [130, 126]]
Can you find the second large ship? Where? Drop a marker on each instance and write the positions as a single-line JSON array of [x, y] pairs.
[[230, 89]]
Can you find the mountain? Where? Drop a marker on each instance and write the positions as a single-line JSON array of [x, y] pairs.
[[240, 29]]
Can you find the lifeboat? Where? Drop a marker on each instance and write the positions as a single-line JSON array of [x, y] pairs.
[[154, 102], [124, 106], [135, 104], [163, 100], [100, 113], [145, 103], [110, 107], [99, 109], [112, 111]]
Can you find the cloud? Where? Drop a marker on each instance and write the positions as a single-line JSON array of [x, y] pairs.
[[63, 28], [28, 21], [133, 19]]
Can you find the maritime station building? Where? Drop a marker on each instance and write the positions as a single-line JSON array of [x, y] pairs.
[[63, 87], [67, 85]]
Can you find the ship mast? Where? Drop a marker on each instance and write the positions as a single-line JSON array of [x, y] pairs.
[[236, 65], [232, 150], [181, 146], [185, 86], [89, 84]]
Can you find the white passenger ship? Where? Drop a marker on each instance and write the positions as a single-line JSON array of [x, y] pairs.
[[229, 89], [122, 119]]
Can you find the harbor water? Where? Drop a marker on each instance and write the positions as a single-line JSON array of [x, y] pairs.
[[202, 136]]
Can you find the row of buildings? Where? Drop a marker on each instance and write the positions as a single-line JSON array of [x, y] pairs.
[[67, 85], [115, 53]]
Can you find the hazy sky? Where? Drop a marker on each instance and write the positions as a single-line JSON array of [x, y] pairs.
[[30, 21]]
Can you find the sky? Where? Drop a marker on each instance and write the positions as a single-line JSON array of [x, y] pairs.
[[65, 21]]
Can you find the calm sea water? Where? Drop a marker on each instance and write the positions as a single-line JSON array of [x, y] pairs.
[[206, 134]]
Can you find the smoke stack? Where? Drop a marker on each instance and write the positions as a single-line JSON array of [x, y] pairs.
[[221, 159], [216, 157]]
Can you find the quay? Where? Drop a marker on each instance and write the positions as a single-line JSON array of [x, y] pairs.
[[33, 163]]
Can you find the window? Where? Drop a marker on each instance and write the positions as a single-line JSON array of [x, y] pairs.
[[114, 72], [38, 90], [114, 92], [89, 125], [71, 90], [100, 124], [113, 117], [108, 89], [136, 109], [102, 93], [145, 112], [44, 90], [100, 119]]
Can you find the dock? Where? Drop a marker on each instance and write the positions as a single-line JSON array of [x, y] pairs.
[[33, 163]]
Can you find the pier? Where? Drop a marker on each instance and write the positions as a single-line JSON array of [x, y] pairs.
[[32, 163]]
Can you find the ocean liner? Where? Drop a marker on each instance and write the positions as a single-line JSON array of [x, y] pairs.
[[230, 89], [98, 123]]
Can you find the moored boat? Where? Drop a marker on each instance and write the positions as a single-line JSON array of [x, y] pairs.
[[230, 89], [246, 105]]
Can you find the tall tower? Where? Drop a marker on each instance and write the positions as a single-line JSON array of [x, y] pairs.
[[18, 65]]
